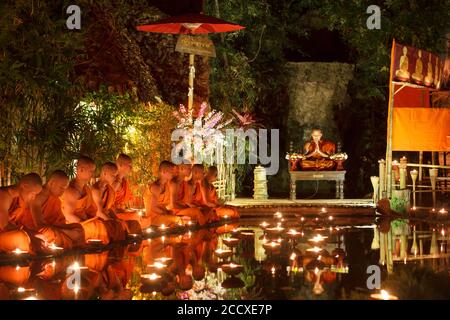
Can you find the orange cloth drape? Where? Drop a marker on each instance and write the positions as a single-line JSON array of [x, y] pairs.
[[421, 129]]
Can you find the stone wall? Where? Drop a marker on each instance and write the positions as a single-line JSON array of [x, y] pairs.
[[317, 90]]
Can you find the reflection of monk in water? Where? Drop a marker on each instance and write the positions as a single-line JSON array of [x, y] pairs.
[[317, 153]]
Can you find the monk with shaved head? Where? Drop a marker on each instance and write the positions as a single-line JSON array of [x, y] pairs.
[[195, 193], [46, 217], [78, 204], [121, 184], [178, 186], [211, 199], [14, 200], [158, 197], [104, 198]]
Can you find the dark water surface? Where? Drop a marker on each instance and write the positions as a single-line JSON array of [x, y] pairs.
[[272, 262]]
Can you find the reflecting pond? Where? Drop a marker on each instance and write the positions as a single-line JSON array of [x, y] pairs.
[[291, 257]]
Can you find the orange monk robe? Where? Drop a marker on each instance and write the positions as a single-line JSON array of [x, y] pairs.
[[198, 200], [163, 201], [116, 230], [123, 195], [317, 162], [221, 211], [193, 213], [128, 226], [57, 231], [86, 210], [11, 238]]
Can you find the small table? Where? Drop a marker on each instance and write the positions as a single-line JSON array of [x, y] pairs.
[[338, 176]]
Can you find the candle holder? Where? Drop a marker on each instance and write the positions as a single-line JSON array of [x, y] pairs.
[[232, 269], [375, 185], [383, 295], [223, 254], [414, 175], [230, 242]]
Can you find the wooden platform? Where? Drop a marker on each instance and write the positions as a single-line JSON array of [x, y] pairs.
[[252, 207]]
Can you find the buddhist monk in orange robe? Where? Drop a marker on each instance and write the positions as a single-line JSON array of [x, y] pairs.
[[194, 193], [123, 191], [317, 153], [212, 200], [121, 184], [177, 187], [104, 196], [13, 201], [158, 197], [78, 204], [45, 215]]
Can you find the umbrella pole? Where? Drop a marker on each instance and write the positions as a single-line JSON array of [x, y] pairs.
[[191, 82]]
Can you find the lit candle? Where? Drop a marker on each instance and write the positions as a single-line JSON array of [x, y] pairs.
[[317, 238], [148, 230], [94, 242], [302, 219], [278, 215], [383, 295], [323, 210], [314, 249], [443, 211], [151, 277], [164, 260], [18, 251], [53, 247], [157, 265], [273, 270], [264, 224], [163, 227], [330, 218]]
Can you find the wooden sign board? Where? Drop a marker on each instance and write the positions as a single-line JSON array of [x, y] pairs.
[[200, 45]]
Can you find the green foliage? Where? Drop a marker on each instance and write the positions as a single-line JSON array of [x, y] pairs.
[[249, 71]]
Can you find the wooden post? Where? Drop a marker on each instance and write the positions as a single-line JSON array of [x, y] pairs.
[[420, 167], [390, 246], [389, 126], [433, 177], [382, 248], [191, 82], [381, 172], [413, 174]]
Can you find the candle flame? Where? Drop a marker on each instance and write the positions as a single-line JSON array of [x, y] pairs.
[[385, 295]]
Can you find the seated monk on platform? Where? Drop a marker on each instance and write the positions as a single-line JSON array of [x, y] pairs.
[[46, 218], [317, 153], [13, 201], [159, 197], [195, 193], [104, 195], [78, 204], [212, 200], [177, 187]]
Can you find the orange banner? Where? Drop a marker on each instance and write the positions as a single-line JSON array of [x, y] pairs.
[[421, 129]]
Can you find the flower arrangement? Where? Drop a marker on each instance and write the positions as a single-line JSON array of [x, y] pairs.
[[203, 134]]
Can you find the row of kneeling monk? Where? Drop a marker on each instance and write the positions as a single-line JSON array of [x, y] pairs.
[[68, 213]]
